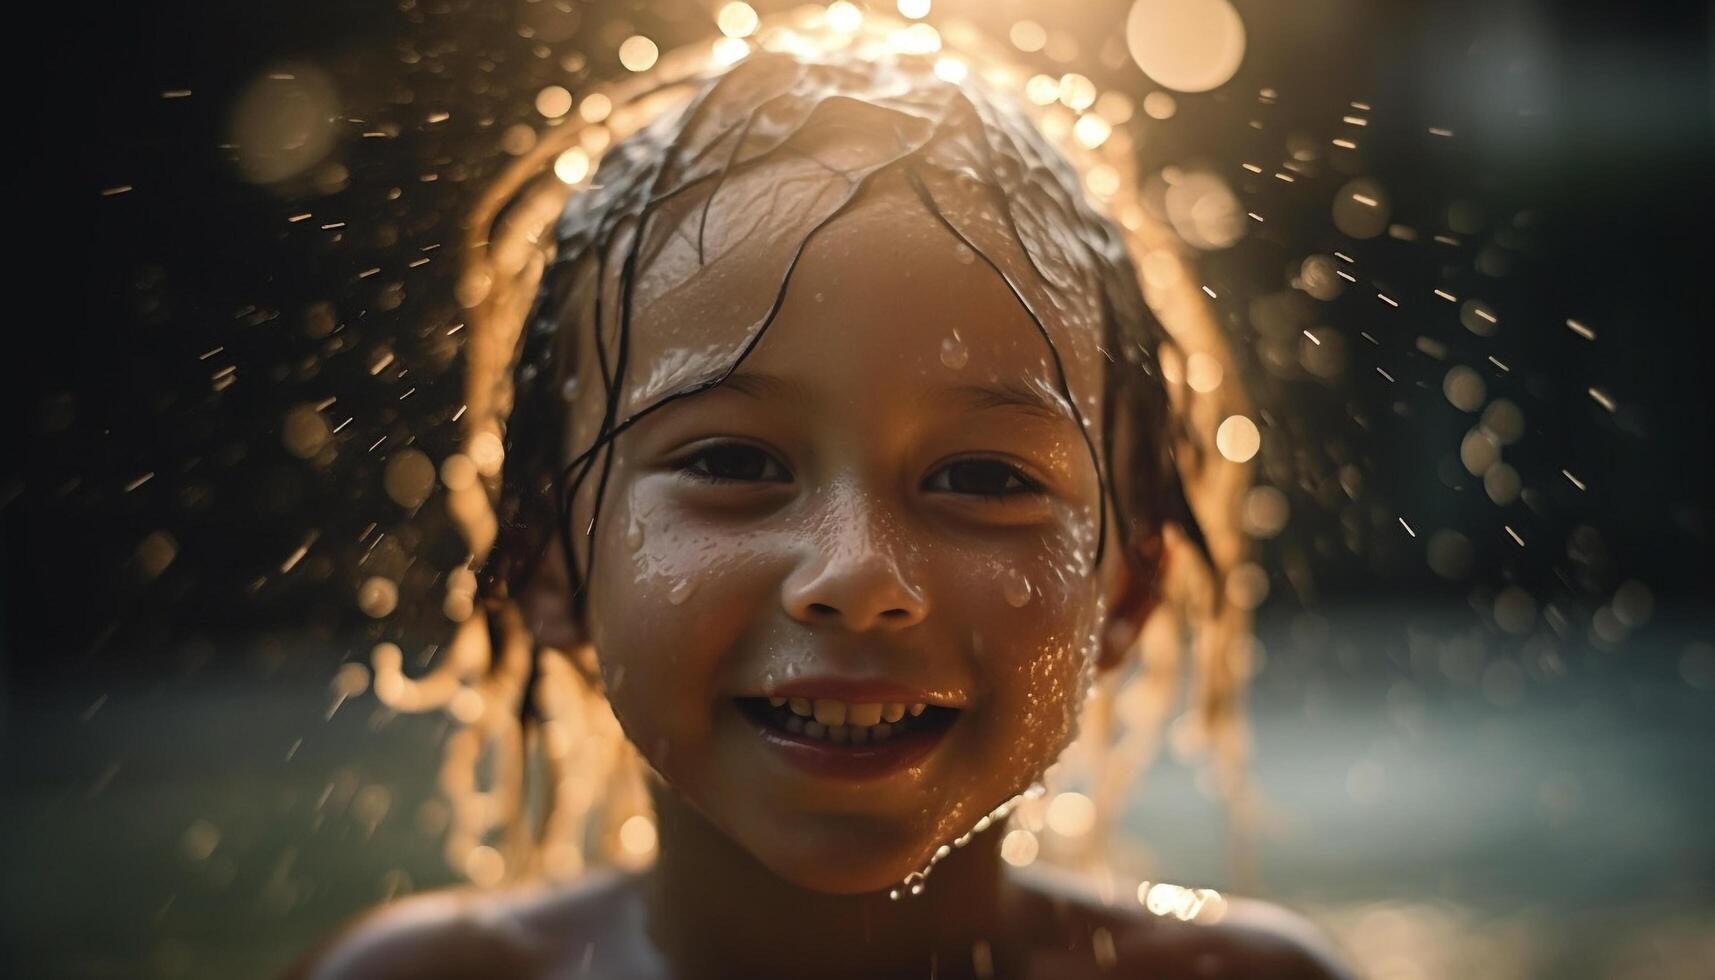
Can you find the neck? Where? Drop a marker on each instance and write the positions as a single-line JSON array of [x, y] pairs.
[[715, 911]]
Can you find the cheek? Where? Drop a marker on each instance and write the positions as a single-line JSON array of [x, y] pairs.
[[1034, 611], [1041, 593], [668, 600]]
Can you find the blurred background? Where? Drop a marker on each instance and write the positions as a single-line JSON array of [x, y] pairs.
[[1464, 266]]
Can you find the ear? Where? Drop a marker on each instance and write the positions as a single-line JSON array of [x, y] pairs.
[[1134, 589], [546, 602]]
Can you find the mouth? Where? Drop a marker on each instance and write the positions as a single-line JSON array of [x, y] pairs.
[[848, 740]]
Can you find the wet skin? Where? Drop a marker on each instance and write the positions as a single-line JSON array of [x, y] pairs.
[[1048, 927], [859, 505], [850, 506]]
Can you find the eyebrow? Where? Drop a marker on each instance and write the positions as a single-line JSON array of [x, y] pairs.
[[975, 397], [1009, 394], [765, 386]]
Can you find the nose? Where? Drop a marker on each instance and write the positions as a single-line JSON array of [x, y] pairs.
[[853, 577]]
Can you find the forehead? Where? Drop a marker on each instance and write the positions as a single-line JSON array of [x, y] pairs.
[[876, 293]]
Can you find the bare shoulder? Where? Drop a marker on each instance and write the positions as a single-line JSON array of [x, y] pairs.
[[1228, 938], [464, 934], [1248, 938]]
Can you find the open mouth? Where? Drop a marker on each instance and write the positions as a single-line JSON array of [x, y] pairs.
[[853, 740], [846, 724]]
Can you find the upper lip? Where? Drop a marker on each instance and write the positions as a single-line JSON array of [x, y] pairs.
[[864, 691]]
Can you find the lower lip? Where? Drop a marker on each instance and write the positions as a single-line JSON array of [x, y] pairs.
[[835, 760]]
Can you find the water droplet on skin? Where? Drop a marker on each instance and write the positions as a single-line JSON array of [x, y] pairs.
[[1016, 588], [954, 353], [681, 591], [634, 534]]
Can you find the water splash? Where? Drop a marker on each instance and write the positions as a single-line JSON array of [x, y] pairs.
[[915, 882]]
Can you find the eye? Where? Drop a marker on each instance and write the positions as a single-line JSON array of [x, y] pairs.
[[982, 477], [732, 462]]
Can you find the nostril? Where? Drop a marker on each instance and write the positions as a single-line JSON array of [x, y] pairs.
[[822, 609]]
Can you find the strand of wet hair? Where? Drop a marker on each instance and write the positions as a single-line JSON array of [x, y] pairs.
[[1004, 207], [996, 128], [721, 175], [1176, 506], [928, 200], [612, 383], [615, 389]]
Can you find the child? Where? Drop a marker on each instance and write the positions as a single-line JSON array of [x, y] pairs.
[[838, 467]]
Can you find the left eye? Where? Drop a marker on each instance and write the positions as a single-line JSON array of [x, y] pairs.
[[733, 462], [982, 477]]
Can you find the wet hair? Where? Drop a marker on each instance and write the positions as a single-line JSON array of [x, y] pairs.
[[915, 123], [550, 266]]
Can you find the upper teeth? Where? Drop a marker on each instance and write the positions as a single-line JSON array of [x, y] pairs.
[[830, 712]]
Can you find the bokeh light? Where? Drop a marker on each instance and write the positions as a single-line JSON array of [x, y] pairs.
[[1238, 439], [573, 165], [1028, 36], [553, 102], [1362, 209], [282, 123], [844, 16], [737, 20], [1186, 45], [638, 53]]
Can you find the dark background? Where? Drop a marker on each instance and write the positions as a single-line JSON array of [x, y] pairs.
[[142, 703]]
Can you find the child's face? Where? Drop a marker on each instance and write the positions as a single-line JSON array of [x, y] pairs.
[[891, 492]]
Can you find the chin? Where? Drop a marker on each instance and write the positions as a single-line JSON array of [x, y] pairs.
[[842, 856]]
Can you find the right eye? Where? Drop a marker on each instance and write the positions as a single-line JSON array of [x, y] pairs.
[[732, 462]]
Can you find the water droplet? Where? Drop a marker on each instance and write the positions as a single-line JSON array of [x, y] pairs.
[[954, 353], [634, 534], [1016, 588], [893, 894], [681, 591]]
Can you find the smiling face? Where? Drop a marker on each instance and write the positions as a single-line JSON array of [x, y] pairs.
[[890, 501]]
